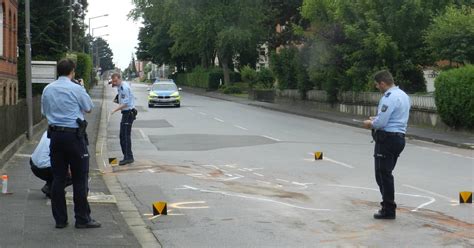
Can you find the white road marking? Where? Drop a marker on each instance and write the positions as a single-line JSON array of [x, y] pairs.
[[229, 165], [219, 120], [229, 175], [338, 162], [286, 181], [243, 128], [430, 192], [258, 174], [255, 198], [195, 175], [239, 175], [151, 170], [431, 199], [268, 137], [202, 113], [191, 109]]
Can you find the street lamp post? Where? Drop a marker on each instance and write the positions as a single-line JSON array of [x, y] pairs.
[[29, 93], [97, 58]]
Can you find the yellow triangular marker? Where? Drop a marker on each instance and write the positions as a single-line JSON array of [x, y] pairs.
[[113, 161], [159, 208], [465, 197], [318, 155]]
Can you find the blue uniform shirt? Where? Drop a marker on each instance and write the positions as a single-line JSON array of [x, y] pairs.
[[40, 156], [393, 111], [125, 96], [63, 102]]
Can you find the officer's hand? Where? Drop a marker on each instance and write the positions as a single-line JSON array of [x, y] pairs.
[[368, 124]]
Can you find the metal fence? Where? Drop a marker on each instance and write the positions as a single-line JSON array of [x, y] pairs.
[[362, 98], [14, 120]]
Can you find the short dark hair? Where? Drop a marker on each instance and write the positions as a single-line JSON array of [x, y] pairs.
[[65, 67], [383, 75], [116, 75]]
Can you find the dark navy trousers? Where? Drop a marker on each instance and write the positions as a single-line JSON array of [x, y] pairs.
[[386, 153], [67, 149], [126, 133]]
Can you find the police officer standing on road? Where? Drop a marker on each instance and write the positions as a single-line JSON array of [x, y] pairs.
[[64, 104], [388, 130], [126, 103]]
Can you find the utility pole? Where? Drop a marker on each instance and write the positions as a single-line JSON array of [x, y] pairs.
[[70, 25], [29, 93]]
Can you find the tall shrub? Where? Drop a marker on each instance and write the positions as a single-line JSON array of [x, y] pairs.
[[84, 69], [454, 96]]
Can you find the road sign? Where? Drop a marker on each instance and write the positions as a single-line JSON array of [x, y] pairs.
[[43, 72]]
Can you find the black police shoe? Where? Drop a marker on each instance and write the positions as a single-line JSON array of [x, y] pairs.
[[383, 214], [90, 224], [61, 225], [126, 161], [46, 190]]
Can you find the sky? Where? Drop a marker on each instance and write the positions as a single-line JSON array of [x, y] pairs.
[[122, 32]]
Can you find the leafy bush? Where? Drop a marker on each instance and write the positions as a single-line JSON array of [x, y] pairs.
[[209, 79], [265, 77], [84, 69], [249, 75], [231, 89], [454, 96], [289, 70]]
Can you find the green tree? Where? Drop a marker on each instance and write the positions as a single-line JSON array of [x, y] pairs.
[[105, 54], [451, 35], [352, 39]]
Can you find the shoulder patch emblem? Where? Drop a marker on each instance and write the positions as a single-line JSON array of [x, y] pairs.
[[388, 94], [384, 108]]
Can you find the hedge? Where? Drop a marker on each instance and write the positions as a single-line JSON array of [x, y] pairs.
[[454, 96], [84, 69], [209, 79]]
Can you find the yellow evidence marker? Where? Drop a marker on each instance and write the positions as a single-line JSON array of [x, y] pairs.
[[159, 208], [113, 161], [318, 155], [465, 197]]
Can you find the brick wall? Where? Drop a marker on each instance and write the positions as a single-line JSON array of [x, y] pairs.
[[8, 59]]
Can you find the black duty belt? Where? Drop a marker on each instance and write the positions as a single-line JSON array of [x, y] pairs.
[[395, 134], [63, 129]]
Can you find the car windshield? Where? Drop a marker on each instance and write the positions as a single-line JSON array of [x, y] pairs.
[[164, 87]]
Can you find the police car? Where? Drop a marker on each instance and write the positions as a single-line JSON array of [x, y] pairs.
[[164, 93]]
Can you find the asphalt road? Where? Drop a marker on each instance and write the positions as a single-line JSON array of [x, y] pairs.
[[240, 176]]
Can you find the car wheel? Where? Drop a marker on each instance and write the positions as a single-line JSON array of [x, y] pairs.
[[150, 105], [178, 105]]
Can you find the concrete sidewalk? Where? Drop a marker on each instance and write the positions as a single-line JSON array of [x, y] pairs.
[[456, 139], [25, 215]]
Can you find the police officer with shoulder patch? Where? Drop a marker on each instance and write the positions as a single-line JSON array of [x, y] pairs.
[[388, 130], [64, 103], [126, 102]]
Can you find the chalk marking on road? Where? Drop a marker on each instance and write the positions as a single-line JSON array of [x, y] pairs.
[[430, 192], [229, 179], [255, 198], [180, 205], [242, 170], [229, 175], [339, 163], [22, 155], [243, 128], [151, 170], [202, 113], [447, 153], [239, 175], [230, 165], [269, 137], [252, 169], [431, 199], [191, 109], [195, 175], [258, 174], [219, 120], [212, 166], [282, 180]]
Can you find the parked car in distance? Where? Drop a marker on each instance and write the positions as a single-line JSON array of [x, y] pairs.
[[164, 93]]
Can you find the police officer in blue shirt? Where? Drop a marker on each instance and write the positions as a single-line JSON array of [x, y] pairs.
[[388, 130], [126, 106], [40, 163], [64, 104]]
